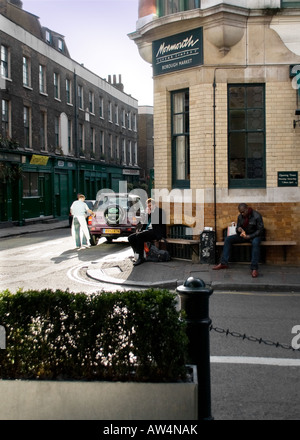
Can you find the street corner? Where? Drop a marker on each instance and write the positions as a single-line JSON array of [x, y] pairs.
[[121, 271], [111, 270]]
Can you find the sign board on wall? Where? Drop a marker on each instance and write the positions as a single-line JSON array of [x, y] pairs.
[[178, 52], [287, 178], [39, 160]]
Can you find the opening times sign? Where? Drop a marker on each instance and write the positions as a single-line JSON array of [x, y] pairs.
[[178, 52], [287, 179]]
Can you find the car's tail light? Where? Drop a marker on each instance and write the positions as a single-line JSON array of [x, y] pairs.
[[90, 220]]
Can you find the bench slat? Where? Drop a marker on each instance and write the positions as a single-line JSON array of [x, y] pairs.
[[181, 241], [263, 243]]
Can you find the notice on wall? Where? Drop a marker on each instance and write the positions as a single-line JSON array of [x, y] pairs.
[[288, 179], [178, 52], [39, 160]]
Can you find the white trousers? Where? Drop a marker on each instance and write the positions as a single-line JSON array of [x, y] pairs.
[[79, 231]]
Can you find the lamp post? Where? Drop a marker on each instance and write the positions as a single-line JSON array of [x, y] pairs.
[[194, 296]]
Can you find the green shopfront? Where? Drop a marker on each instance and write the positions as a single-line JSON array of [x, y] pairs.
[[36, 186]]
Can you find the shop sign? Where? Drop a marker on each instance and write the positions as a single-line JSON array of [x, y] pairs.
[[39, 160], [178, 52], [131, 172], [287, 178], [10, 157]]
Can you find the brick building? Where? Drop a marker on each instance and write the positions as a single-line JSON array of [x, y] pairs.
[[64, 129], [226, 101], [145, 142]]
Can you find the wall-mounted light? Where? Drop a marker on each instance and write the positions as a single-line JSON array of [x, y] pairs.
[[297, 113]]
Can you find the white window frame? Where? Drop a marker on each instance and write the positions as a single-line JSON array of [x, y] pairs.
[[56, 83], [5, 62], [26, 72], [42, 79]]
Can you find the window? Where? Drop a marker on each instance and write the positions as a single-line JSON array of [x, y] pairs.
[[60, 45], [56, 132], [129, 121], [123, 118], [116, 114], [130, 153], [56, 80], [69, 91], [26, 72], [91, 102], [81, 139], [80, 97], [290, 3], [42, 79], [27, 127], [48, 37], [135, 154], [102, 149], [70, 137], [110, 139], [246, 136], [30, 185], [93, 142], [43, 131], [181, 139], [118, 147], [4, 61], [101, 107], [124, 151], [110, 112], [5, 120], [166, 7]]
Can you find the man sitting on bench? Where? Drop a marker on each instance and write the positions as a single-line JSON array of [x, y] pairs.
[[155, 229], [250, 228]]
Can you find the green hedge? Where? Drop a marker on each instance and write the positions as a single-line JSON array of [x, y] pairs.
[[124, 336]]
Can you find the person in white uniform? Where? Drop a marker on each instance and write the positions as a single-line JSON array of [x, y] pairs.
[[79, 210]]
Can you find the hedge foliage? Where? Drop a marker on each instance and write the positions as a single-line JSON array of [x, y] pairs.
[[124, 336]]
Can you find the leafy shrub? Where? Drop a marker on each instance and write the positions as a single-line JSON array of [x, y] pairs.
[[136, 336]]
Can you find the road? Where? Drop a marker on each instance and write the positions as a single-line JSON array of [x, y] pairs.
[[49, 260], [240, 391]]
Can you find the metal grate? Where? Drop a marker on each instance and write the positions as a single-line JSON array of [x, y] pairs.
[[180, 251]]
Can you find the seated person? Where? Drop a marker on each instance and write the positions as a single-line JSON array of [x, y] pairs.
[[155, 229], [250, 228]]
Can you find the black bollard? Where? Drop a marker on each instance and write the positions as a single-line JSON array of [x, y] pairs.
[[194, 296]]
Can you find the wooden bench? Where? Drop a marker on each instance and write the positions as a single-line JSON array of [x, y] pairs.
[[284, 245], [194, 245]]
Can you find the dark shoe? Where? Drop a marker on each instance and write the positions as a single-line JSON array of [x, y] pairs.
[[221, 266], [139, 262], [254, 273]]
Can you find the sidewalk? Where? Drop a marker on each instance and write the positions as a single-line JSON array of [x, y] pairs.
[[118, 269], [30, 228]]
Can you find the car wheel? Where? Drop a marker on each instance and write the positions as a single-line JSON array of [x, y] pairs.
[[94, 240]]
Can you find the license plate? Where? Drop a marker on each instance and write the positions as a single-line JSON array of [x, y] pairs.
[[111, 231]]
